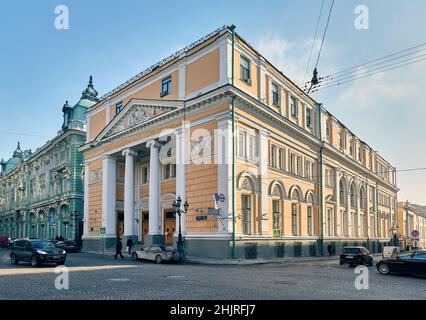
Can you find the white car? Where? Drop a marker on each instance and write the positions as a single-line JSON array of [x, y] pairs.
[[390, 252], [157, 253]]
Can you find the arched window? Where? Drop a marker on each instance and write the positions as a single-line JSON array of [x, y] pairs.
[[362, 198], [295, 212], [277, 194], [353, 196], [342, 195]]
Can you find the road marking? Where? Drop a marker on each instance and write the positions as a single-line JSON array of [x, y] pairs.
[[12, 272], [119, 279]]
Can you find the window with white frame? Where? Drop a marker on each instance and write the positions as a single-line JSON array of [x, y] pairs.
[[295, 164], [145, 174], [247, 145], [341, 140], [275, 95], [245, 69], [308, 118], [293, 107]]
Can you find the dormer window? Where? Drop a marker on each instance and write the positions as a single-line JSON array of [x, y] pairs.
[[166, 86]]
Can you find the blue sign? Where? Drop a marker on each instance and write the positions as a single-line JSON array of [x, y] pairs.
[[200, 218]]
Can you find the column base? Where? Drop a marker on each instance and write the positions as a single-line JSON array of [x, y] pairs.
[[151, 239]]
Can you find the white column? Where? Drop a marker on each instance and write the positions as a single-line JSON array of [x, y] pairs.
[[154, 187], [129, 192], [349, 213], [358, 217], [181, 151], [264, 182], [109, 174], [223, 146], [86, 201]]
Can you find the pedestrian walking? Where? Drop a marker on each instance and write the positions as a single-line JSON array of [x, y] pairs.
[[130, 245], [118, 248]]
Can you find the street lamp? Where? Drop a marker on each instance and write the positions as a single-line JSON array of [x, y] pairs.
[[177, 208]]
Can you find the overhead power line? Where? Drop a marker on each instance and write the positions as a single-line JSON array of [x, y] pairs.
[[325, 33], [315, 38]]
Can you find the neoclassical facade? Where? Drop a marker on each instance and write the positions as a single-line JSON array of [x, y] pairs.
[[267, 171], [411, 217], [41, 192]]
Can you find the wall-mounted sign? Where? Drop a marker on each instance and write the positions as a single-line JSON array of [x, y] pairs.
[[200, 218], [213, 212], [277, 233], [102, 231]]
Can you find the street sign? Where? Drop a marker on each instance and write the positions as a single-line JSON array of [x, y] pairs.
[[200, 218], [102, 231], [213, 212], [415, 234], [277, 233]]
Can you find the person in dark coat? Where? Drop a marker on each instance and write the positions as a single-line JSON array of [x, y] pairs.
[[118, 248], [130, 245]]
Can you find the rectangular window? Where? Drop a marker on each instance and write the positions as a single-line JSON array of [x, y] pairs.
[[166, 86], [294, 218], [145, 175], [292, 164], [241, 144], [275, 94], [281, 159], [251, 147], [118, 107], [327, 131], [246, 214], [329, 224], [245, 69], [340, 140], [293, 106], [298, 166], [310, 221], [276, 214], [273, 156], [308, 118]]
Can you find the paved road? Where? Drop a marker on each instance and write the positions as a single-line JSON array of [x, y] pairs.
[[102, 277]]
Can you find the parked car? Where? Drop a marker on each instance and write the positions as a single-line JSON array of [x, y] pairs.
[[390, 252], [36, 252], [157, 253], [356, 256], [412, 262], [68, 245]]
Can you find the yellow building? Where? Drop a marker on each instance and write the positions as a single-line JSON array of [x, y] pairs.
[[411, 217], [298, 183]]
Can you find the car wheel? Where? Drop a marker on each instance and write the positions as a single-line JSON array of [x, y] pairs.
[[13, 259], [135, 256], [384, 268], [158, 259], [34, 261]]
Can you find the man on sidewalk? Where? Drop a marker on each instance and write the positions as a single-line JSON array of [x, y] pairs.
[[118, 248], [129, 245]]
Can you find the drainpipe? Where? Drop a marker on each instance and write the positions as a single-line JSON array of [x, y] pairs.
[[232, 27], [320, 181]]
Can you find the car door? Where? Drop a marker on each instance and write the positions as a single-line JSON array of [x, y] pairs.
[[418, 263], [18, 247], [145, 252], [404, 263]]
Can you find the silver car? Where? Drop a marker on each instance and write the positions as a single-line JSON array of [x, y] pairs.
[[157, 253]]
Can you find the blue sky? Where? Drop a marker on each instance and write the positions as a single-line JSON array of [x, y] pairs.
[[42, 67]]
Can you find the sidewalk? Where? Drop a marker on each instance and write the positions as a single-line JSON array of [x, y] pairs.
[[209, 261]]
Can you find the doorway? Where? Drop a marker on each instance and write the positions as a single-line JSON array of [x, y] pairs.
[[169, 226], [120, 224], [145, 225]]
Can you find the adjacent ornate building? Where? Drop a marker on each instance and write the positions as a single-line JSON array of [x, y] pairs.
[[41, 192], [291, 181], [411, 219]]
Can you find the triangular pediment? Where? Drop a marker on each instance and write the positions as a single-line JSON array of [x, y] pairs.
[[136, 113]]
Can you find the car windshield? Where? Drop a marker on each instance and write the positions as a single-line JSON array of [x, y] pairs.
[[42, 245], [351, 250]]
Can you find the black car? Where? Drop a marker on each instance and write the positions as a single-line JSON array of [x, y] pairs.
[[68, 245], [412, 262], [36, 252], [356, 256]]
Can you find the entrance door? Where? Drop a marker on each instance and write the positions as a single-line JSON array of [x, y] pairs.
[[145, 224], [169, 227], [120, 224]]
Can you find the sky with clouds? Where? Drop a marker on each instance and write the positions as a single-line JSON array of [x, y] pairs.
[[42, 67]]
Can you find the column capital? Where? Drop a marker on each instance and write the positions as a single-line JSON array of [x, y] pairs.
[[129, 152], [153, 144]]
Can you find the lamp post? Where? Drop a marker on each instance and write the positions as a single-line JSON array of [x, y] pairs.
[[177, 207]]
